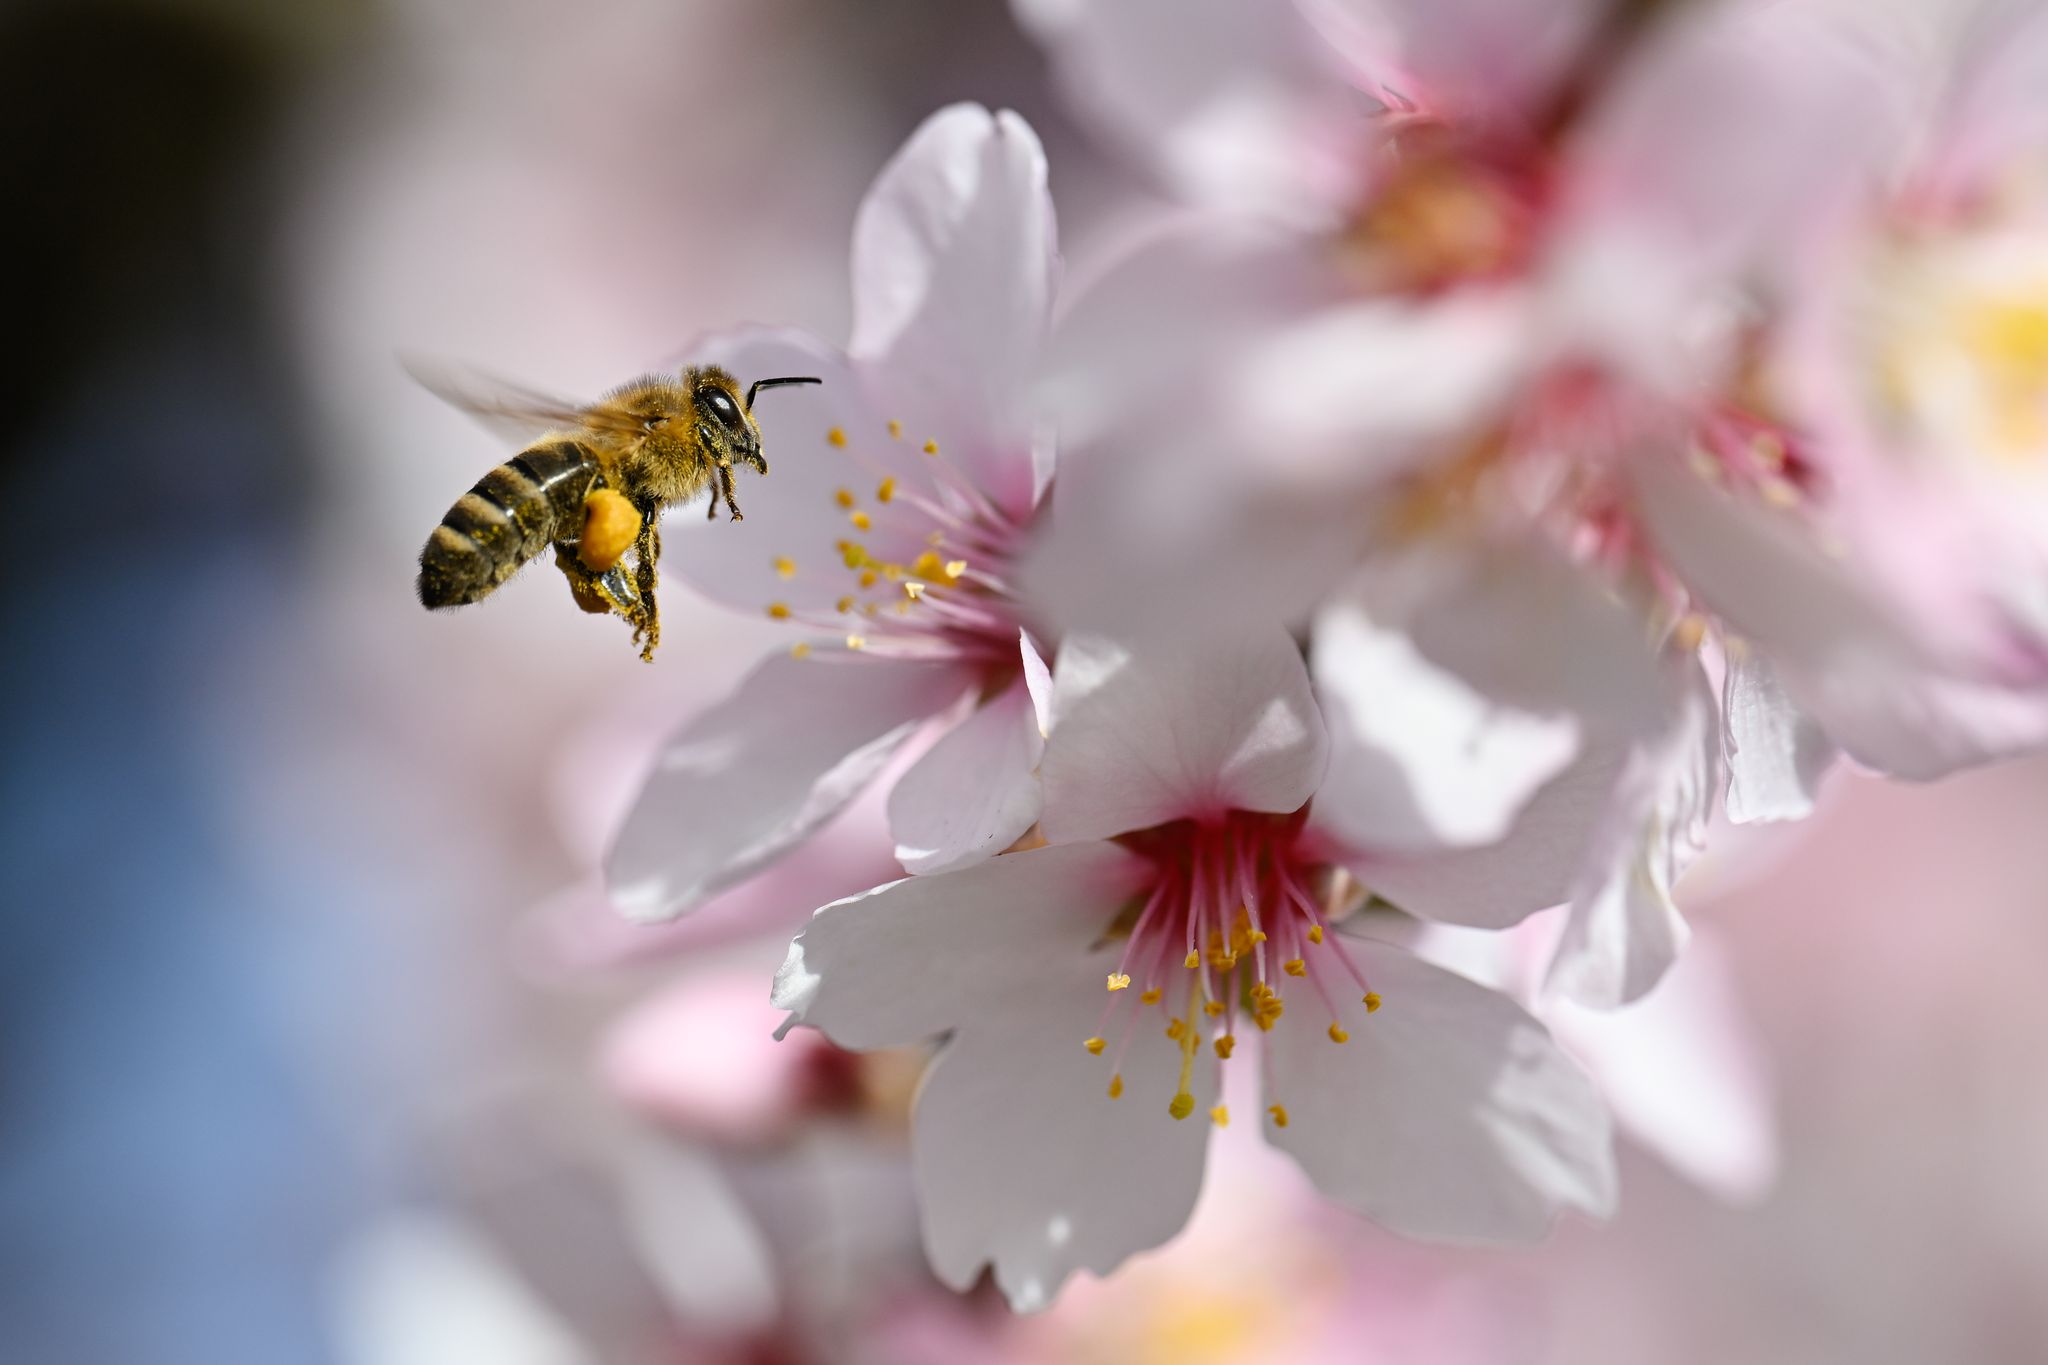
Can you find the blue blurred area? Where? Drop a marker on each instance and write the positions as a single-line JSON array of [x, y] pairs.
[[170, 1189]]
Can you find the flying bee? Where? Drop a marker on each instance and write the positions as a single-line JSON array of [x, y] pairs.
[[593, 486]]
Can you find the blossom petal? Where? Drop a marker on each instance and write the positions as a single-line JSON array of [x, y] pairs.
[[1023, 1162], [1472, 58], [975, 792], [1684, 1073], [906, 961], [1535, 866], [786, 550], [1776, 754], [954, 269], [1449, 1113], [745, 781], [1624, 930], [1240, 109], [1144, 733], [1419, 759]]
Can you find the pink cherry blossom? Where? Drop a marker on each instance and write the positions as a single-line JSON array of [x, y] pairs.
[[1063, 1126]]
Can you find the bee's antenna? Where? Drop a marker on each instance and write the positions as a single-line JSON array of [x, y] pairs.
[[760, 384]]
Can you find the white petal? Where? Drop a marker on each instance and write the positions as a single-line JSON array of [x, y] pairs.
[[1025, 1164], [1624, 930], [1684, 1073], [748, 779], [1776, 754], [1419, 760], [1144, 733], [1487, 58], [1535, 866], [1449, 1114], [975, 792], [795, 515], [954, 271], [1237, 109], [909, 960]]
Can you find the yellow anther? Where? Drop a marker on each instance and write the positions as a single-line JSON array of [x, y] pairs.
[[843, 604], [892, 572], [1175, 1028], [931, 447], [856, 642], [800, 650], [1224, 1045], [1338, 1035], [861, 521], [854, 554], [1294, 966], [1279, 1113], [1095, 1045], [955, 567], [1690, 630], [869, 610], [1315, 933], [1116, 1087], [836, 437], [1220, 1116], [1149, 995], [1192, 960], [1118, 980], [1372, 1002], [1257, 936], [926, 565], [779, 610], [895, 430], [844, 497], [913, 591], [785, 567], [1182, 1105], [868, 578], [886, 490], [1212, 1008]]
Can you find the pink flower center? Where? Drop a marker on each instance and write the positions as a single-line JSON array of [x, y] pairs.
[[937, 590], [1230, 927]]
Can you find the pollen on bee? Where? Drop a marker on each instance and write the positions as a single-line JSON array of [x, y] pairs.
[[1338, 1034], [1220, 1116], [836, 438], [779, 610], [861, 520], [895, 430], [1181, 1105], [931, 447], [1094, 1045], [785, 567], [886, 490], [844, 497], [1372, 1002], [1119, 980], [1279, 1113], [800, 650], [1116, 1087]]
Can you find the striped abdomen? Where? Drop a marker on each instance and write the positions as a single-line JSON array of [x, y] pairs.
[[507, 519]]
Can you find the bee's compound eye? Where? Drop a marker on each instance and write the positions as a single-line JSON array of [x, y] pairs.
[[721, 406]]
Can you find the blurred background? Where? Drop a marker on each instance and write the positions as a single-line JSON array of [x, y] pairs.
[[316, 1041]]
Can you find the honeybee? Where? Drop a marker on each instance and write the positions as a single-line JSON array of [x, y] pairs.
[[593, 486]]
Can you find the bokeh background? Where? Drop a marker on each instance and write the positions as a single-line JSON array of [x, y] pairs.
[[316, 1041]]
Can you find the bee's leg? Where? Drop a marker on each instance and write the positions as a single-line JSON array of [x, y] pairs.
[[609, 591], [725, 486], [647, 553]]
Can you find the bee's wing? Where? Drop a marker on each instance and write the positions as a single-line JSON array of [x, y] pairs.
[[504, 407]]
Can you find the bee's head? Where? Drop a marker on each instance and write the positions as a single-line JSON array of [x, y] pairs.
[[725, 415]]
